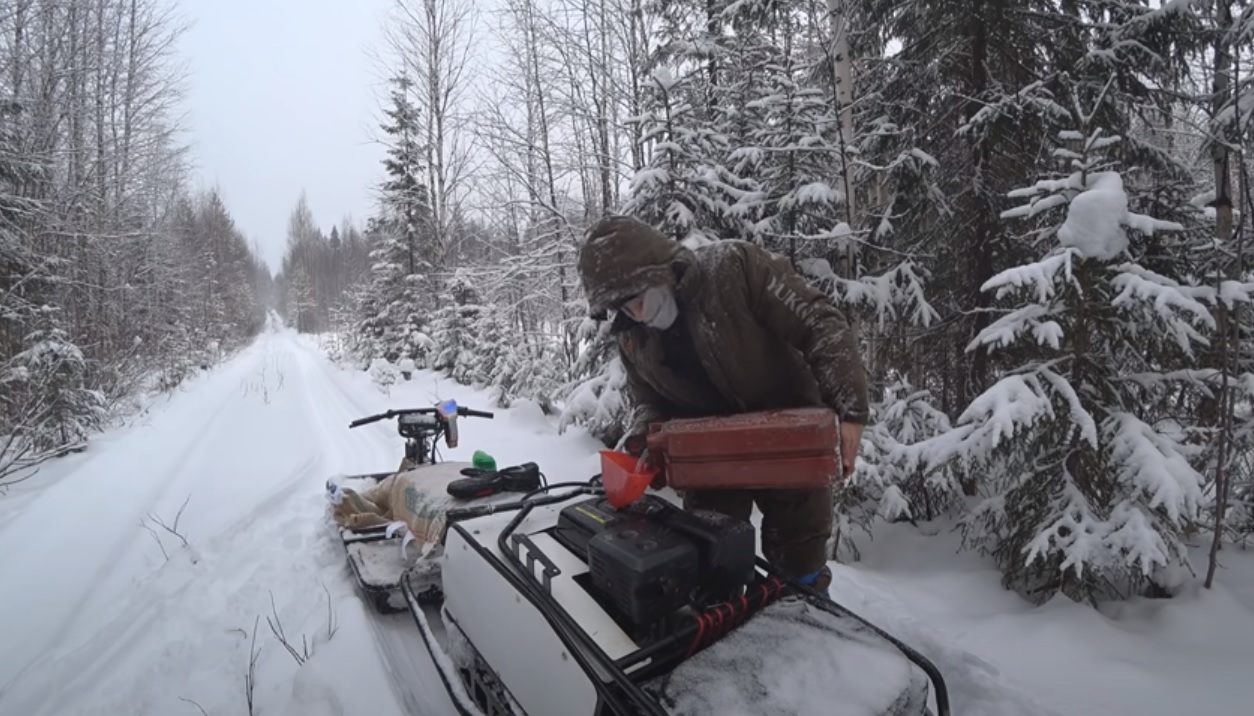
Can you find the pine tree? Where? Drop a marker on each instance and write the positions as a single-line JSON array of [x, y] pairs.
[[1089, 488], [683, 191], [400, 297], [405, 199]]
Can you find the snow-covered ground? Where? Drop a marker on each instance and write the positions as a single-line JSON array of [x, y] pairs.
[[94, 619]]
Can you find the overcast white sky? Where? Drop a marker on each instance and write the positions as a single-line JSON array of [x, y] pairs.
[[282, 98]]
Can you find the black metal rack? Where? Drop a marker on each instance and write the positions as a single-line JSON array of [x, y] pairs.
[[623, 694]]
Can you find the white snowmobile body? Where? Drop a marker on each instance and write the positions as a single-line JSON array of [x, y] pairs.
[[520, 628]]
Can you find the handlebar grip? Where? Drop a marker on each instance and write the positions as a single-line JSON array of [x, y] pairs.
[[450, 433], [369, 419], [476, 413]]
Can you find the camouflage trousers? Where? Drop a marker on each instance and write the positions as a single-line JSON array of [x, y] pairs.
[[796, 524]]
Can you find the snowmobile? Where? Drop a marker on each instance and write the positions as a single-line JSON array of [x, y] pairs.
[[588, 604], [592, 598], [378, 521]]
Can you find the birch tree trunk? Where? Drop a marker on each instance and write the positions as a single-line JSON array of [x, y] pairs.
[[1221, 407]]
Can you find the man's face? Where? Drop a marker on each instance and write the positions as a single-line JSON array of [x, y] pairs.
[[634, 308], [654, 307]]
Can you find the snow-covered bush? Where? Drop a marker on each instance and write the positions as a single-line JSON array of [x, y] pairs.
[[891, 481], [1086, 481], [384, 374], [891, 469], [530, 368], [407, 368], [596, 398], [47, 406]]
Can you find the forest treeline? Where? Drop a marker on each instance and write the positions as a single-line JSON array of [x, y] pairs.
[[116, 277]]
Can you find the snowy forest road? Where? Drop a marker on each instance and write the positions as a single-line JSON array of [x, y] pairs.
[[103, 610]]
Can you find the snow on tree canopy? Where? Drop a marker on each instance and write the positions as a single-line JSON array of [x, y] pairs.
[[664, 79], [1094, 219], [1096, 216]]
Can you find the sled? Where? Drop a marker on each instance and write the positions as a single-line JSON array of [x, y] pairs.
[[379, 555], [404, 536], [564, 605]]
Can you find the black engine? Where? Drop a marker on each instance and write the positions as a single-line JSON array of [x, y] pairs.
[[651, 558]]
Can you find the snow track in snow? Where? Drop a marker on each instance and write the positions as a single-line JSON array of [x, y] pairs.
[[79, 536], [409, 668]]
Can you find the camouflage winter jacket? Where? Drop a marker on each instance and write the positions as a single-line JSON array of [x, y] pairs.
[[765, 337]]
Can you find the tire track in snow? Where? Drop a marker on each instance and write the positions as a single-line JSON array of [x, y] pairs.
[[189, 610], [358, 450], [175, 627], [411, 671], [77, 533]]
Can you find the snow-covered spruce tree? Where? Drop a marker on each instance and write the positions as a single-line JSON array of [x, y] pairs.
[[790, 157], [492, 347], [53, 370], [454, 332], [1086, 481], [738, 112], [392, 323], [401, 288], [892, 481], [683, 190], [405, 198], [952, 92]]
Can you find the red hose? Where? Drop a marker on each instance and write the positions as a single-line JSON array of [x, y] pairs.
[[719, 619]]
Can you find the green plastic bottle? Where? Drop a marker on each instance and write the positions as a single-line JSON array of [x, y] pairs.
[[483, 461]]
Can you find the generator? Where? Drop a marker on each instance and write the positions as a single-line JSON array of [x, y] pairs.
[[651, 558]]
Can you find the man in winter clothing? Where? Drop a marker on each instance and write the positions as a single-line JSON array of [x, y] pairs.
[[729, 328]]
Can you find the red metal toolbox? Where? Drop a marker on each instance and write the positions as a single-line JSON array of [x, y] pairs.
[[795, 448]]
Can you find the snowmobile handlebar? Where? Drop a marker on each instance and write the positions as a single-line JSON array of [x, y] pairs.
[[461, 412]]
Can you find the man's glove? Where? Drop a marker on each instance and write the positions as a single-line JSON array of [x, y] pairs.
[[637, 444]]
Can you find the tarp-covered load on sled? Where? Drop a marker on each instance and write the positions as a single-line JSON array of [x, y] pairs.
[[587, 597], [391, 522]]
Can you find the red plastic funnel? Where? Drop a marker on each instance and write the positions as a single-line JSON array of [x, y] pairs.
[[623, 485]]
